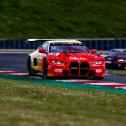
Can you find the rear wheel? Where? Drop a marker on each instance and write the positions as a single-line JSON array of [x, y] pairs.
[[29, 68]]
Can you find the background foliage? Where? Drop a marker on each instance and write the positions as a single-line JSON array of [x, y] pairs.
[[62, 18]]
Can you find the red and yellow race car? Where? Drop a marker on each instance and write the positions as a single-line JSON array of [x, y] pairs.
[[66, 58]]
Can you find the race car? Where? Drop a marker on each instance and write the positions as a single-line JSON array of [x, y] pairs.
[[112, 52], [65, 58], [116, 60]]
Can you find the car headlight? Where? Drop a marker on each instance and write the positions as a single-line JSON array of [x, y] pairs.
[[99, 62], [58, 62], [121, 60]]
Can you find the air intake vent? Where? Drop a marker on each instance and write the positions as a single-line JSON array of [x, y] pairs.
[[84, 68], [74, 68]]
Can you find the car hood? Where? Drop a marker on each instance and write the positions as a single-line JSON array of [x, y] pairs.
[[74, 57], [120, 57]]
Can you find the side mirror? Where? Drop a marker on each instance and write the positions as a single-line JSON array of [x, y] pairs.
[[41, 50], [93, 51], [100, 52]]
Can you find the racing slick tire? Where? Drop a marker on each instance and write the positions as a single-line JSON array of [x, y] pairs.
[[98, 78], [31, 72], [45, 70]]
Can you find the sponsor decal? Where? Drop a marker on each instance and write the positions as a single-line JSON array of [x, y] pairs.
[[98, 70], [76, 58], [58, 70]]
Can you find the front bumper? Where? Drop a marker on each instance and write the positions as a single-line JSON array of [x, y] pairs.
[[80, 69], [113, 64]]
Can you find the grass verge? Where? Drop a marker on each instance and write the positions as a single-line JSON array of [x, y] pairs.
[[23, 104], [119, 72]]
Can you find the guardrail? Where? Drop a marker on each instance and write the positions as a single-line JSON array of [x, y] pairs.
[[97, 43]]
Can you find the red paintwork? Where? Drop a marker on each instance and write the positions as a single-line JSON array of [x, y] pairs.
[[41, 50], [93, 51], [74, 57]]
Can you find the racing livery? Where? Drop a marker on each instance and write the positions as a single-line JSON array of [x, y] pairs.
[[66, 58]]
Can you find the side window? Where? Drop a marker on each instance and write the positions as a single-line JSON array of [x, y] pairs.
[[45, 46]]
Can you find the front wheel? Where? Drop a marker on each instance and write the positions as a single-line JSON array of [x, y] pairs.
[[45, 70]]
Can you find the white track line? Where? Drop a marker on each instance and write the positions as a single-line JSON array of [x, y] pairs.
[[73, 80], [3, 71], [13, 72], [21, 74], [98, 83], [79, 81]]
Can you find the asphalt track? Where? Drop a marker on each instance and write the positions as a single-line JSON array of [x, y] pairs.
[[14, 61]]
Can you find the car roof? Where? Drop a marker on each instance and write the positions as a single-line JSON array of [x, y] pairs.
[[63, 41], [118, 49]]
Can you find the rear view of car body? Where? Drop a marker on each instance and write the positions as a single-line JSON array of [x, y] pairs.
[[117, 60]]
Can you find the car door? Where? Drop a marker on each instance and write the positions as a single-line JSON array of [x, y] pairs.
[[41, 56], [36, 57]]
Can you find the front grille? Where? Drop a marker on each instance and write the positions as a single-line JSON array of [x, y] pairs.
[[74, 68], [84, 66]]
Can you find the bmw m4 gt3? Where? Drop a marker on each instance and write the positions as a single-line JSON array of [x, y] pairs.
[[66, 58]]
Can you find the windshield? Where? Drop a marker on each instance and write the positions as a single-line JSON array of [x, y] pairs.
[[72, 48], [110, 53], [121, 54]]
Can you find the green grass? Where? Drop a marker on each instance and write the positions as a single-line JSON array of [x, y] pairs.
[[26, 104], [62, 18], [119, 72]]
